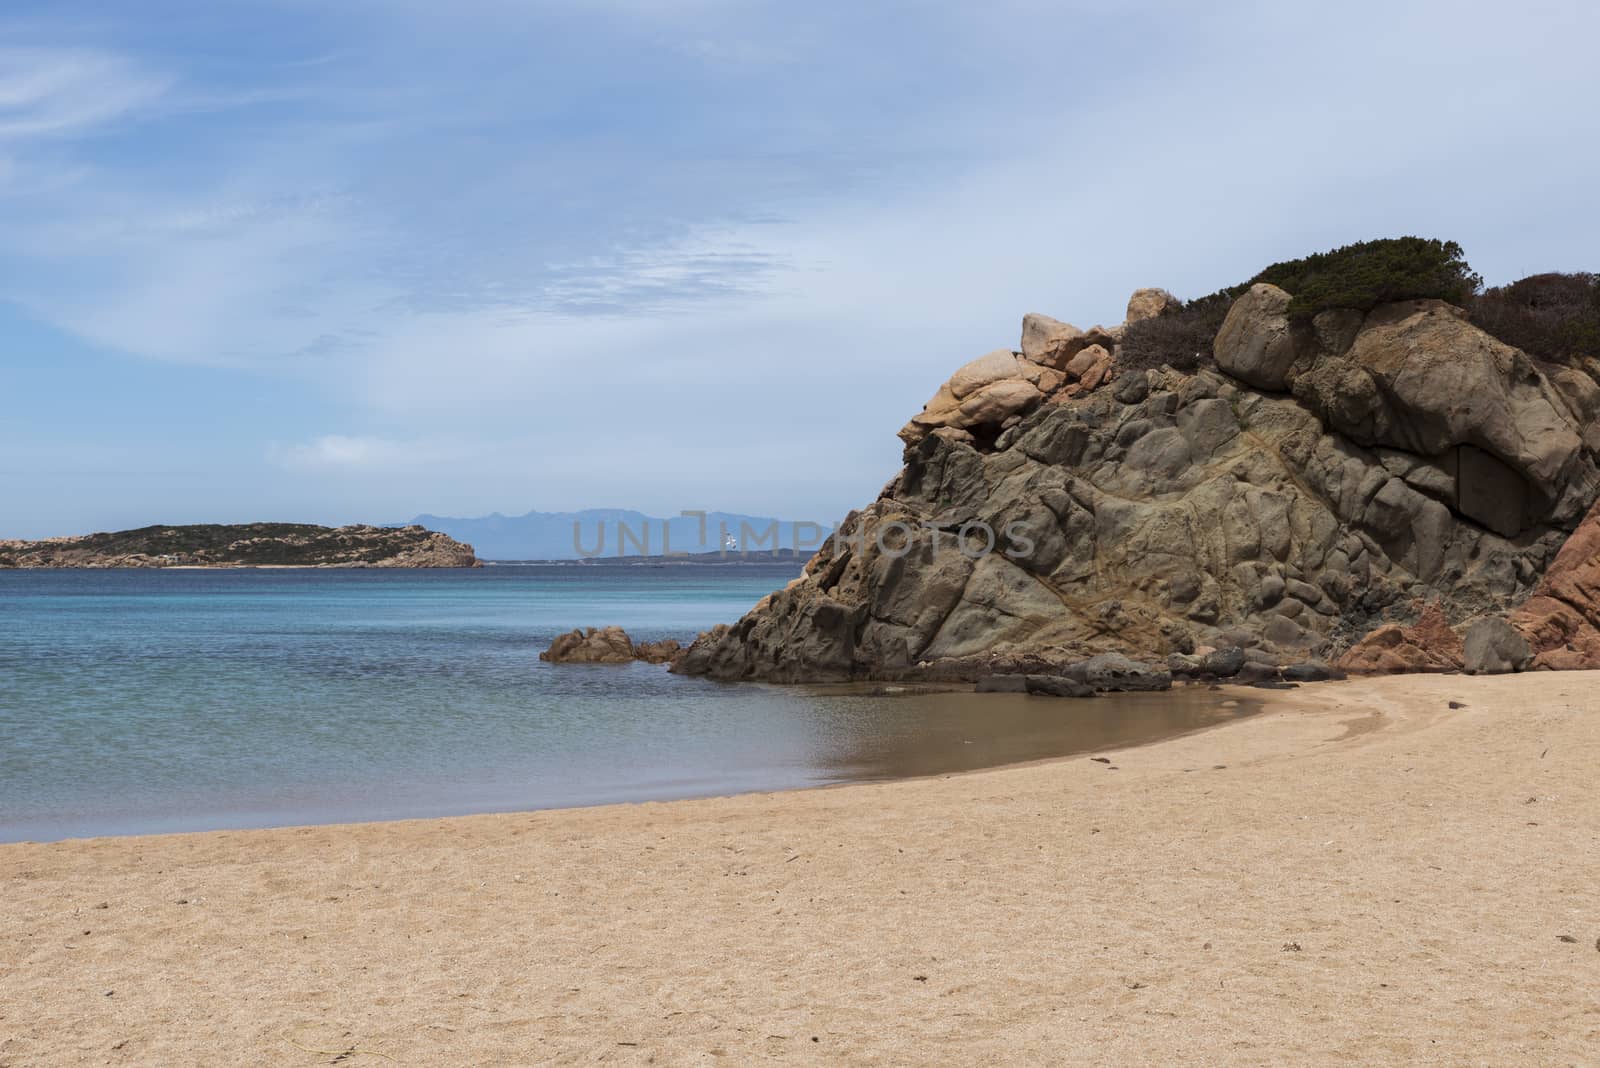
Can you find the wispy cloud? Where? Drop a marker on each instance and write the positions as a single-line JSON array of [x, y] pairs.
[[716, 262], [229, 280], [62, 91]]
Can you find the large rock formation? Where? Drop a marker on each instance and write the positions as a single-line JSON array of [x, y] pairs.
[[1493, 436], [1333, 476]]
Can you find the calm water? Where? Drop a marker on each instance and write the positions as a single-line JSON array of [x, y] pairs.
[[141, 701]]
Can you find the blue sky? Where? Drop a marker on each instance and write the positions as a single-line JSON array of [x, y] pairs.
[[356, 261]]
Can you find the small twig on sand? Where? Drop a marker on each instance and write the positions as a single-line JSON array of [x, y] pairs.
[[340, 1054]]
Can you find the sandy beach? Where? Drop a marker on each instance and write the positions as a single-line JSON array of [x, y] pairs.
[[1360, 875]]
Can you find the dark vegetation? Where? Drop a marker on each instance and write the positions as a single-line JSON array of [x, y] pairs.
[[1370, 273], [246, 543], [1552, 317], [1181, 338], [249, 543]]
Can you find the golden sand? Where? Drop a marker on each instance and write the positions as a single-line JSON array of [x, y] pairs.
[[1361, 875]]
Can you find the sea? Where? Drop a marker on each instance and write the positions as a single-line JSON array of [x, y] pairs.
[[149, 701]]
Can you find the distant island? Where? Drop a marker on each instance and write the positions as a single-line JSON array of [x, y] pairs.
[[244, 545]]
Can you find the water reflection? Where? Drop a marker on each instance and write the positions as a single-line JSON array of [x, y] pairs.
[[889, 737]]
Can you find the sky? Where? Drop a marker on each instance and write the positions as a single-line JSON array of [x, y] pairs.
[[300, 261]]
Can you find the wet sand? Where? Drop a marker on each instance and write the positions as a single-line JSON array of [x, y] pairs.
[[1358, 875]]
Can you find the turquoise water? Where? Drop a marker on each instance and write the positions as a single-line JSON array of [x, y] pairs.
[[144, 701]]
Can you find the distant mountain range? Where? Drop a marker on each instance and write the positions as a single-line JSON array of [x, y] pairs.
[[610, 532]]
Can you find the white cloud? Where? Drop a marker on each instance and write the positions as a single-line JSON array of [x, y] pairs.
[[366, 454], [59, 91]]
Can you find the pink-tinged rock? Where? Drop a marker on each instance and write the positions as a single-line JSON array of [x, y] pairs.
[[1150, 303], [991, 367], [1079, 365], [1049, 342], [1562, 619], [596, 645], [1429, 644], [1097, 373], [996, 402]]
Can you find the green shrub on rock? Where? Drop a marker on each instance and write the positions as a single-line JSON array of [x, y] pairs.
[[1360, 276], [1369, 273]]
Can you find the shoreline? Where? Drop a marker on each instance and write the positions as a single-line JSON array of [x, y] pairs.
[[1357, 872], [253, 567], [621, 561], [1209, 711]]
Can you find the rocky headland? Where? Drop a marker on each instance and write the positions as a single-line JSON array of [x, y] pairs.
[[244, 545], [1379, 487]]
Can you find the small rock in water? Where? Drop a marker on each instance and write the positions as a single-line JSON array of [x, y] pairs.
[[596, 645], [1254, 674], [1056, 686], [1311, 671], [1003, 684], [660, 652], [1115, 672], [1182, 665]]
